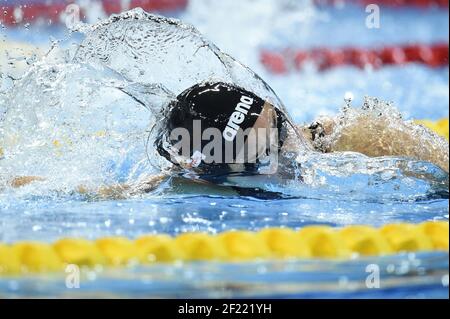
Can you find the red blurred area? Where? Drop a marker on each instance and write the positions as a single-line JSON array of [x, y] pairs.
[[389, 3], [435, 55], [51, 10]]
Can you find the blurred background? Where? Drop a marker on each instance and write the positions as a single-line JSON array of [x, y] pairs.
[[311, 52]]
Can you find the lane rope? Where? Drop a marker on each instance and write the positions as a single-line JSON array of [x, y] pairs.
[[19, 12], [322, 242], [44, 12], [400, 4], [282, 62]]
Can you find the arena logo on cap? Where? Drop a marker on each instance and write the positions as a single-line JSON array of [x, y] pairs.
[[237, 118]]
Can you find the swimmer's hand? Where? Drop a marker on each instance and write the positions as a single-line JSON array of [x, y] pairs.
[[149, 184], [21, 181], [123, 191]]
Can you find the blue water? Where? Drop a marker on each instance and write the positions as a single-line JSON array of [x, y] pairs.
[[417, 91], [404, 276]]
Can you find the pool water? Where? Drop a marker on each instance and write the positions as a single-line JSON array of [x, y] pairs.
[[374, 197]]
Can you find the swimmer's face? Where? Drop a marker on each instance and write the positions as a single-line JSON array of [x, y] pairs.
[[219, 127]]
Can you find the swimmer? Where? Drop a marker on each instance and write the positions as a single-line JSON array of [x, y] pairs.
[[216, 132], [269, 140]]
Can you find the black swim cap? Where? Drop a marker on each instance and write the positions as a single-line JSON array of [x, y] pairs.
[[228, 109]]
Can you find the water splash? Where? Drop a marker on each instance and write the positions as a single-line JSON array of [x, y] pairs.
[[151, 49], [70, 123]]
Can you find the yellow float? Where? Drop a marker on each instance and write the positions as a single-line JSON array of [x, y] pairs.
[[231, 246]]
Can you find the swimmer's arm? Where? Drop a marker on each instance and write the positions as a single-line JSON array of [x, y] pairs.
[[122, 191], [375, 136], [103, 192]]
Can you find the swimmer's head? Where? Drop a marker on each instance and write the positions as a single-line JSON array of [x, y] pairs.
[[219, 128]]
